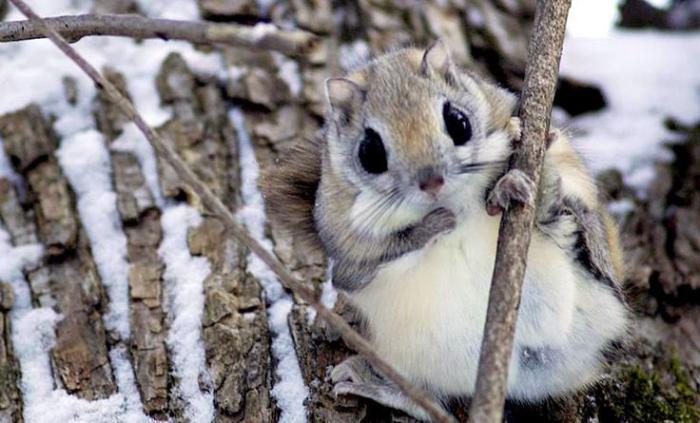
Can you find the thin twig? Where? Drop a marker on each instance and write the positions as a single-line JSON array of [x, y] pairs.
[[209, 200], [73, 28], [544, 53]]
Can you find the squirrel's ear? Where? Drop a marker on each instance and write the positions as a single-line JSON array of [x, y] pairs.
[[343, 95], [437, 62]]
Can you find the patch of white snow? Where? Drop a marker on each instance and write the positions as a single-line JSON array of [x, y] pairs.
[[35, 71], [184, 277], [86, 163], [646, 76], [33, 335], [288, 71]]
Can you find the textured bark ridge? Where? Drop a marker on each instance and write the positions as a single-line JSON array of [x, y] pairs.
[[645, 383], [10, 400], [21, 228], [67, 279], [235, 327], [141, 222]]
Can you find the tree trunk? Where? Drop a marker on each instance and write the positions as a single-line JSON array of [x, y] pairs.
[[277, 111]]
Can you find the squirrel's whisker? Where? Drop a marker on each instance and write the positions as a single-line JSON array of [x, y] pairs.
[[374, 211], [479, 166]]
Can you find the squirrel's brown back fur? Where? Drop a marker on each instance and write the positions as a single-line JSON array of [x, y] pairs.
[[289, 189]]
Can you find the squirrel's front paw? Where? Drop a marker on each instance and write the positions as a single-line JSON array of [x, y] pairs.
[[514, 187], [439, 220]]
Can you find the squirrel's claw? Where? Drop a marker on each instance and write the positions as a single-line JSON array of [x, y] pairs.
[[552, 136], [514, 187], [514, 128]]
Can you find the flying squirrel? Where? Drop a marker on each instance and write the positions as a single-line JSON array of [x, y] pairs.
[[403, 189]]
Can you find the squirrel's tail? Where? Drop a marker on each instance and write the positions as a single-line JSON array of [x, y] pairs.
[[289, 189]]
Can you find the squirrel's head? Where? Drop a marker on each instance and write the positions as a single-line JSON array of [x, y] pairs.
[[411, 131]]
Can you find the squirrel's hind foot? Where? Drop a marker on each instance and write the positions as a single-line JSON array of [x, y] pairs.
[[355, 376]]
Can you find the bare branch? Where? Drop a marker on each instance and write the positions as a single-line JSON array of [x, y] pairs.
[[73, 28], [164, 149], [514, 233]]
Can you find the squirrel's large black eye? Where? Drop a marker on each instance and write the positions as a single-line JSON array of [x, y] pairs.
[[457, 124], [371, 153]]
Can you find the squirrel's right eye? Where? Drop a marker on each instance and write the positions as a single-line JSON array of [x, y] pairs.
[[372, 154]]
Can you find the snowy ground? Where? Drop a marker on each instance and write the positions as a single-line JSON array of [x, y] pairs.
[[646, 76]]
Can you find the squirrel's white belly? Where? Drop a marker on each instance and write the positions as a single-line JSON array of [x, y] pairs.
[[426, 313]]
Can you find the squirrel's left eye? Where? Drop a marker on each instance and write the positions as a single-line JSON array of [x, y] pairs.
[[456, 124], [371, 153]]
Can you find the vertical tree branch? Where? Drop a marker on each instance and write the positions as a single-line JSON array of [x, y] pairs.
[[544, 53], [212, 202]]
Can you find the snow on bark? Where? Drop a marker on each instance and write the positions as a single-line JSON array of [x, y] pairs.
[[184, 277], [289, 390]]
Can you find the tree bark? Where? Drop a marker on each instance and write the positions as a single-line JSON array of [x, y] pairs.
[[10, 399], [141, 222], [67, 279], [235, 329]]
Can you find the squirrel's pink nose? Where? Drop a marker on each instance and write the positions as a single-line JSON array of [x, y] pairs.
[[431, 182]]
